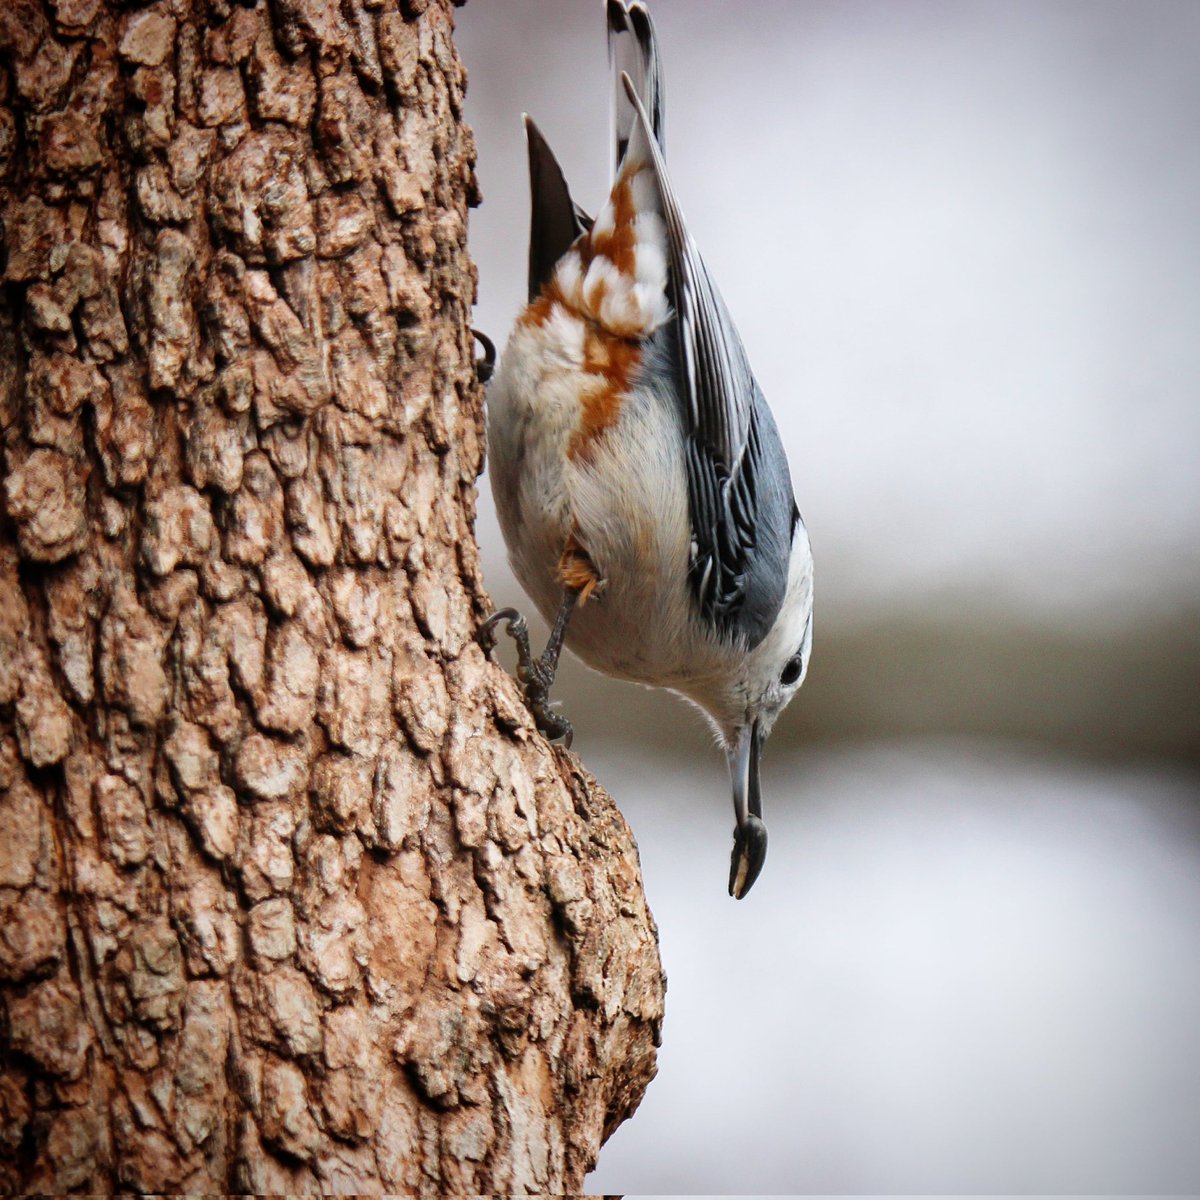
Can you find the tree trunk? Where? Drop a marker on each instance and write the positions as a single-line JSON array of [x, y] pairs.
[[292, 896]]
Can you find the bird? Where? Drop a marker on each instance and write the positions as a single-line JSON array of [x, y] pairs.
[[641, 484]]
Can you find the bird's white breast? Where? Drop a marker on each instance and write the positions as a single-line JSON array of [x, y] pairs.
[[625, 501]]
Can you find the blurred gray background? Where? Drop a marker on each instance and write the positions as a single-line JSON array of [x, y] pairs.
[[962, 244]]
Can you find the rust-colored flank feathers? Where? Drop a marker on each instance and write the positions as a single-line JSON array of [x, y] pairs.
[[611, 362], [611, 355], [577, 571], [619, 242], [538, 311]]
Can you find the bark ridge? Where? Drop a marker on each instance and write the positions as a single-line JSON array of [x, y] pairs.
[[292, 896]]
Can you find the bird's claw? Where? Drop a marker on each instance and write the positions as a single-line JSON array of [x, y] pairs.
[[486, 634], [535, 675], [551, 725], [485, 367], [749, 854]]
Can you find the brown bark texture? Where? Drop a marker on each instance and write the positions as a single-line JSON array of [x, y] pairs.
[[292, 895]]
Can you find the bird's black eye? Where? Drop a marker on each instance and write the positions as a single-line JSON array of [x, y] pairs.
[[791, 670]]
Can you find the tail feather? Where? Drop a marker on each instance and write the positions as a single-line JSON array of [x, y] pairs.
[[555, 219], [633, 51]]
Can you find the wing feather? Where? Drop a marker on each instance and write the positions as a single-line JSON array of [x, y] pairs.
[[739, 489]]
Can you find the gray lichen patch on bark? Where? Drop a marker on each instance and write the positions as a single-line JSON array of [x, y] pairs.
[[292, 896]]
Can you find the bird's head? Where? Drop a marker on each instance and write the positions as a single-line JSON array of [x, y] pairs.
[[744, 701]]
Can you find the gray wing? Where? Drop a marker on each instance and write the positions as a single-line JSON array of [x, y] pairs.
[[555, 219], [633, 51], [739, 488]]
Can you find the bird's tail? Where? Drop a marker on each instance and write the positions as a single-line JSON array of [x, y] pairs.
[[633, 51], [555, 219]]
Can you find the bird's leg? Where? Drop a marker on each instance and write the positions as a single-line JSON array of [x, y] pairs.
[[536, 675]]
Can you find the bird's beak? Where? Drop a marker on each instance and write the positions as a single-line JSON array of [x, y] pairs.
[[750, 836]]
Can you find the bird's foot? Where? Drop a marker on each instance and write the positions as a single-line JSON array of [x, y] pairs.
[[749, 854], [485, 367], [486, 634], [535, 675]]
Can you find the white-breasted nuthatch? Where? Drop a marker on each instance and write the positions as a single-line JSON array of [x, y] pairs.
[[641, 484]]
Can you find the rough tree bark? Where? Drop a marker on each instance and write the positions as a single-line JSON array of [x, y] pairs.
[[292, 896]]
